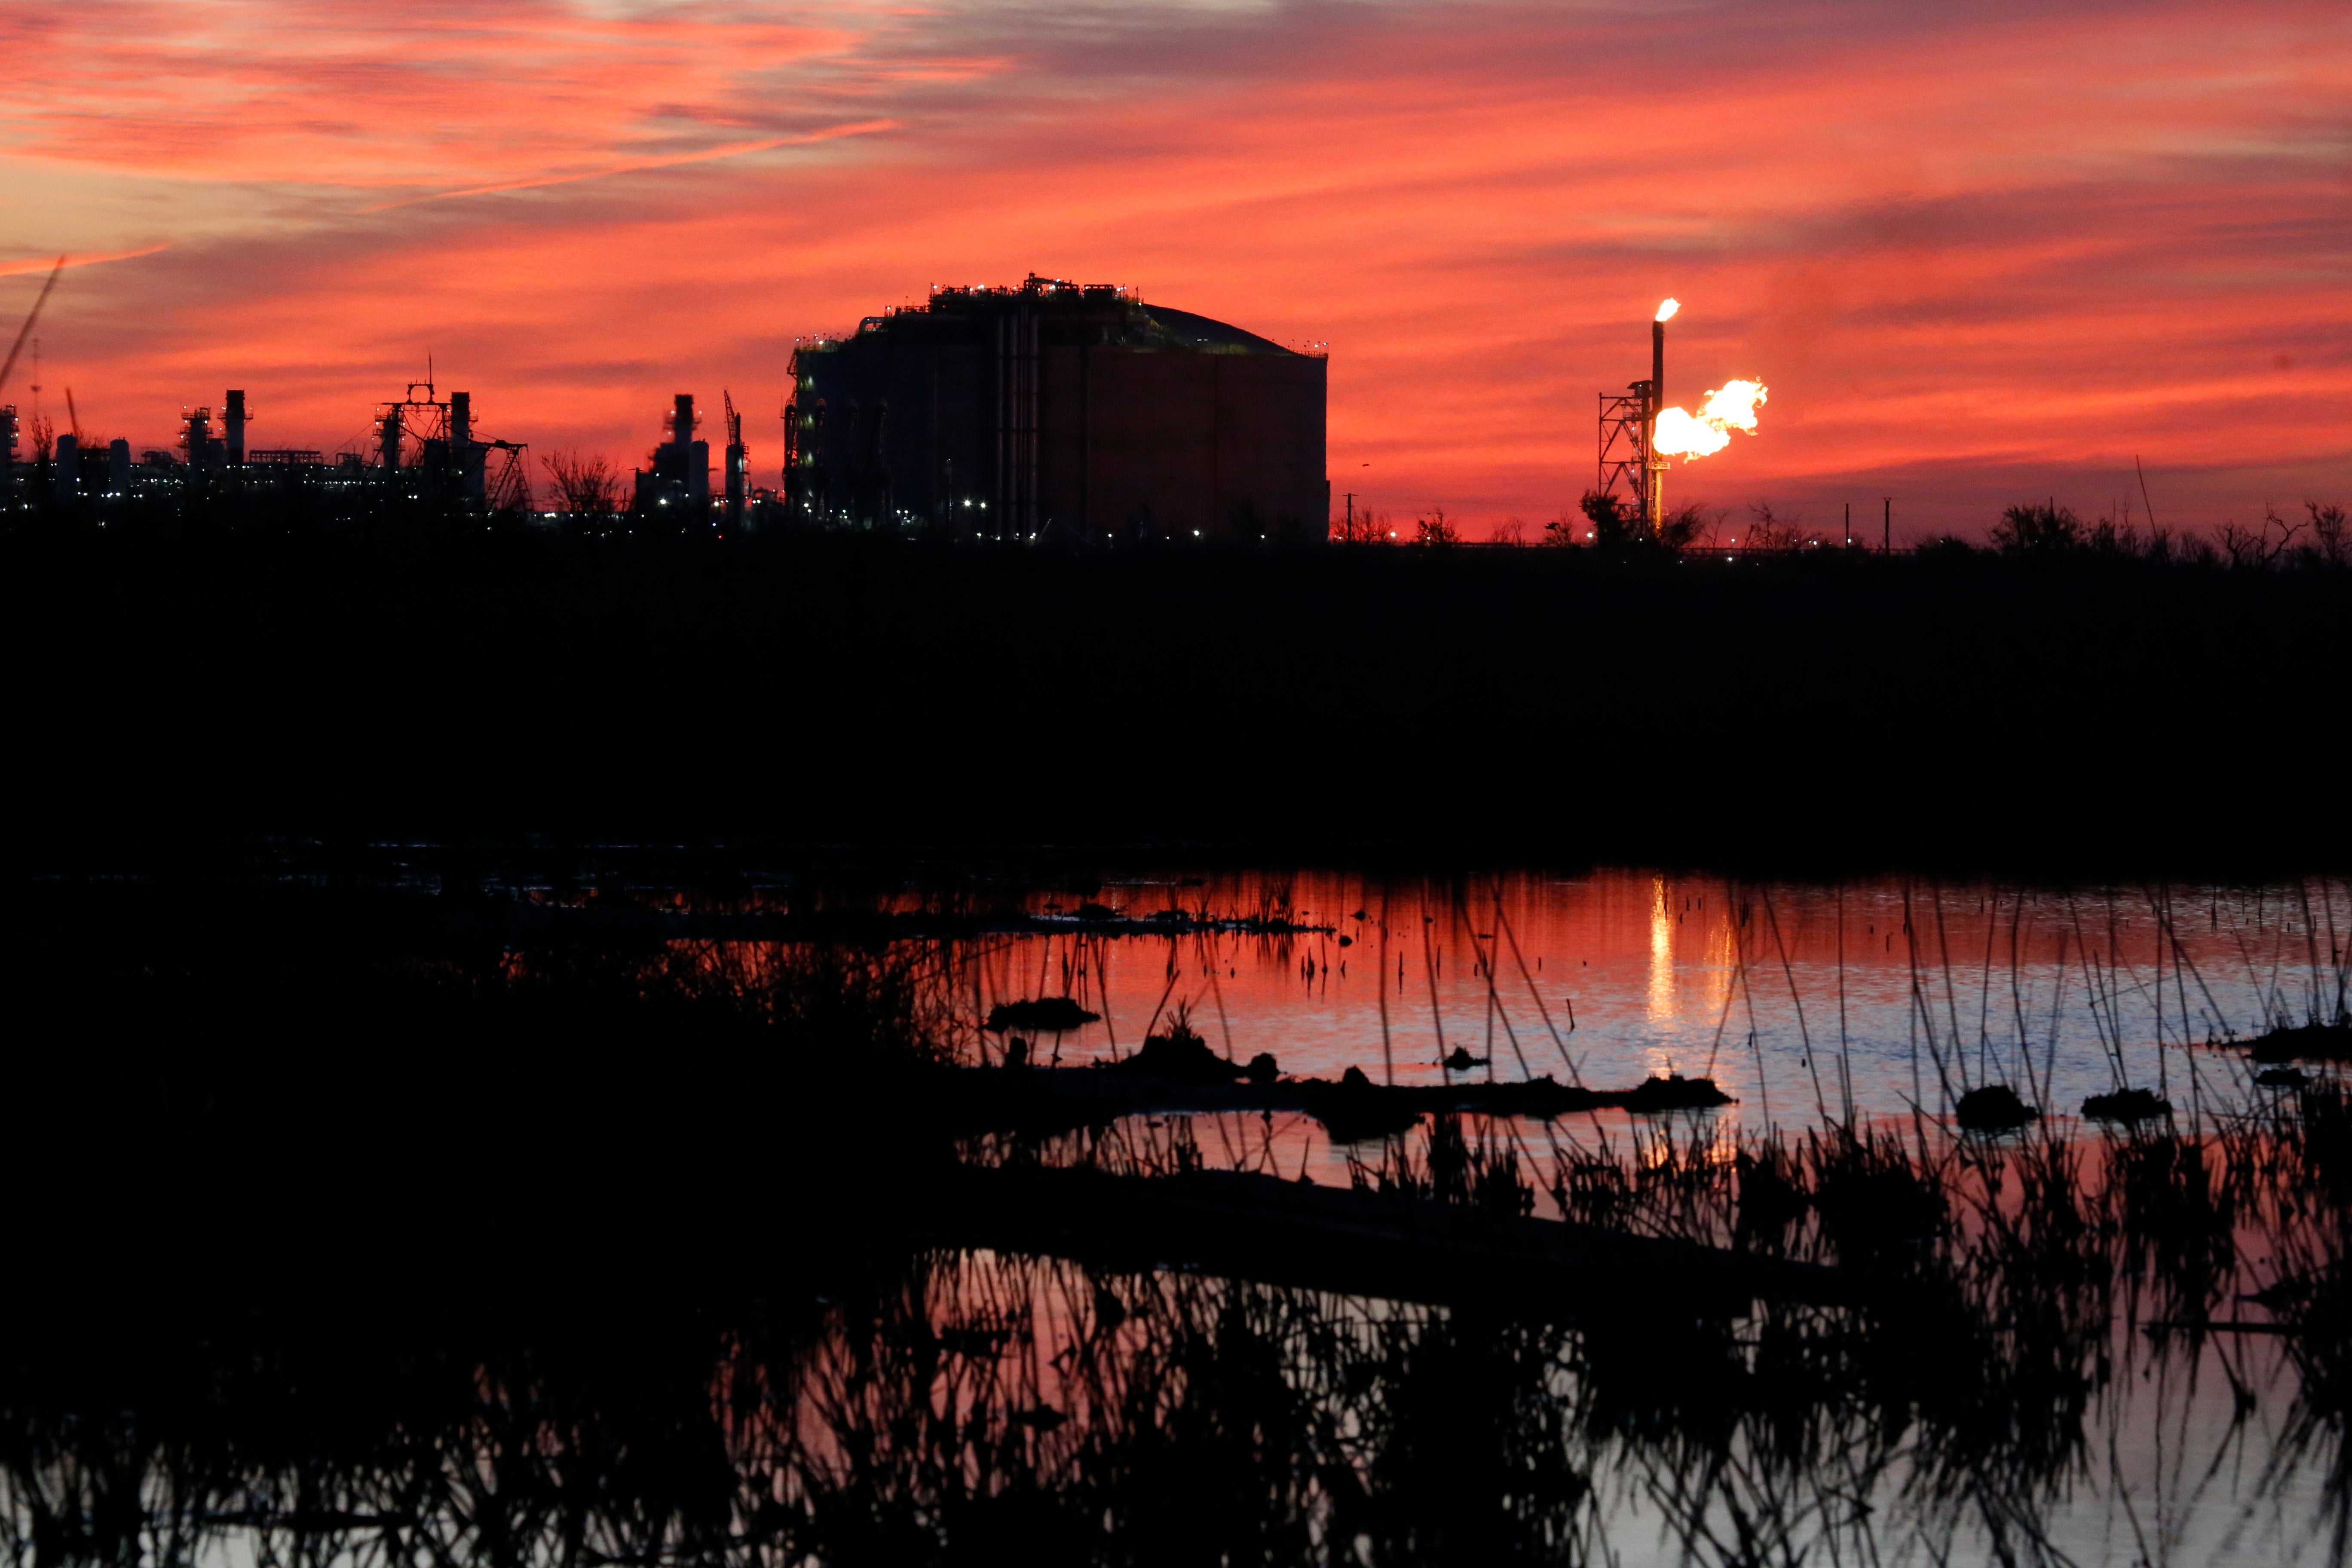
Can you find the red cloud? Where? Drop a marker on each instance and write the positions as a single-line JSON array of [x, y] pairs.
[[1970, 252]]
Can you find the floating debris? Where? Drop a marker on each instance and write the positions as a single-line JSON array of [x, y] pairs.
[[1994, 1108], [2311, 1042], [1048, 1014], [1101, 919], [1179, 1055], [1357, 1112], [1654, 1095], [2127, 1105], [1258, 1226], [1176, 1073]]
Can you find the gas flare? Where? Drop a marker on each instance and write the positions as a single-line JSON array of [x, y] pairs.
[[1666, 308], [1731, 407]]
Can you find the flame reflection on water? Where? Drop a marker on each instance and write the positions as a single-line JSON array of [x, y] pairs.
[[1662, 953], [1612, 976]]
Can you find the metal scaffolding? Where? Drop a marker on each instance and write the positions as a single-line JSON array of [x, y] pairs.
[[1627, 470]]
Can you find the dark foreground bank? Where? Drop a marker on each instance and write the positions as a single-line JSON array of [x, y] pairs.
[[169, 699]]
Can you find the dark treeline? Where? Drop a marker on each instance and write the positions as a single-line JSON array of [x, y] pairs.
[[2052, 711]]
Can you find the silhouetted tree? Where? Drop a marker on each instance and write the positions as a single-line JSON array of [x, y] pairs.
[[1613, 523], [1684, 526], [1768, 531], [587, 484], [2042, 528], [1616, 524], [2329, 535], [1435, 530]]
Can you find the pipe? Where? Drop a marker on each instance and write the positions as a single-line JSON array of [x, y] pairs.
[[1657, 368], [466, 454], [1655, 492], [233, 427]]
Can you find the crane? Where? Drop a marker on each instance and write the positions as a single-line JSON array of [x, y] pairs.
[[26, 330]]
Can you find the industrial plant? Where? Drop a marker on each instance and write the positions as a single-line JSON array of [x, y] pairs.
[[1058, 409], [423, 454], [1045, 411], [1638, 432], [679, 483]]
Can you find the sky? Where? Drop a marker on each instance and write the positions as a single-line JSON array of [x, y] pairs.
[[1978, 253]]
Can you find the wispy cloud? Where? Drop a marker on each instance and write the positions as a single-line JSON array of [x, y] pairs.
[[1979, 241], [10, 268], [642, 165]]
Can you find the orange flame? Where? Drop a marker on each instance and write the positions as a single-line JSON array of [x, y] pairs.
[[1667, 308], [1732, 406]]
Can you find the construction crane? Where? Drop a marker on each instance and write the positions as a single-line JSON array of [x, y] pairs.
[[738, 465], [26, 330]]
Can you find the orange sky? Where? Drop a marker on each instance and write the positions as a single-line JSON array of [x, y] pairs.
[[1979, 252]]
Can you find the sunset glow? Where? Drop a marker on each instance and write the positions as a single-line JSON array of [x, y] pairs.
[[1980, 254]]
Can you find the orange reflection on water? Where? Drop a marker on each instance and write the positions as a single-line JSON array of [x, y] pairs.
[[1796, 999], [1662, 953]]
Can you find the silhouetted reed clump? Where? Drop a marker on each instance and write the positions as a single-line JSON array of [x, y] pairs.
[[1452, 1169], [343, 1234], [260, 1090], [975, 1408], [314, 1198]]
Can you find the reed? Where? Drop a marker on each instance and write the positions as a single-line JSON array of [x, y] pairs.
[[345, 1235]]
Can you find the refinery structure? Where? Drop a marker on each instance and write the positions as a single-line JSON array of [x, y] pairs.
[[1639, 432], [1041, 411], [1058, 409], [678, 484], [423, 453]]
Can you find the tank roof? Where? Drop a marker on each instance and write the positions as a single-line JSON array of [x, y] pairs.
[[1217, 337], [1110, 312]]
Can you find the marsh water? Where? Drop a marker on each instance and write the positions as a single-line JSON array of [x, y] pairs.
[[2101, 1344], [1804, 1002]]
